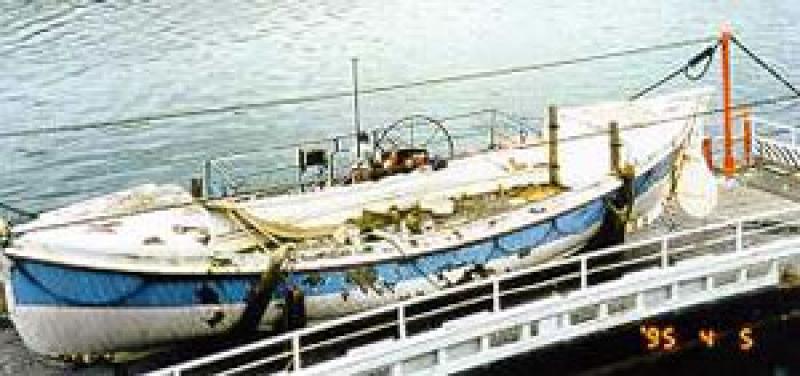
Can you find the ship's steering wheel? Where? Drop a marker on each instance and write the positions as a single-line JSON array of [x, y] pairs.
[[416, 132]]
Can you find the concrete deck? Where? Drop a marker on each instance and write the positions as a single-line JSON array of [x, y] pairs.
[[753, 192]]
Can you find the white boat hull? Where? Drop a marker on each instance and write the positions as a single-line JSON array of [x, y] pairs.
[[65, 302], [59, 330]]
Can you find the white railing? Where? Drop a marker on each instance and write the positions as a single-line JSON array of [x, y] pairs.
[[500, 292], [474, 341], [772, 131], [776, 143], [480, 130]]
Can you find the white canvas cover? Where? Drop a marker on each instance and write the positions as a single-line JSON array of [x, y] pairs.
[[647, 126]]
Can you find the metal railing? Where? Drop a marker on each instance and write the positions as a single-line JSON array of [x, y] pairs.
[[482, 339], [774, 131], [481, 132], [332, 338], [776, 143], [765, 135]]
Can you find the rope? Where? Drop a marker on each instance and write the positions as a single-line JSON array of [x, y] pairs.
[[348, 93], [399, 248], [715, 111], [270, 228], [551, 228], [706, 55], [140, 285], [258, 299], [766, 66], [88, 220]]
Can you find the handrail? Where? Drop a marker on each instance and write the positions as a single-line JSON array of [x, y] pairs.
[[580, 261], [772, 124], [237, 181], [437, 341], [770, 133]]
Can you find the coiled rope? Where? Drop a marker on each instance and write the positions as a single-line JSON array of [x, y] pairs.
[[706, 55]]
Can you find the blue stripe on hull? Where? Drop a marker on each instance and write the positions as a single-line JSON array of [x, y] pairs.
[[645, 181], [389, 274], [42, 283]]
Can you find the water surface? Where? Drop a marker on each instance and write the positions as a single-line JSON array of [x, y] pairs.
[[75, 62]]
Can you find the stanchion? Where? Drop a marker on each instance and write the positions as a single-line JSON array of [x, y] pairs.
[[728, 164], [555, 179], [708, 153], [747, 137]]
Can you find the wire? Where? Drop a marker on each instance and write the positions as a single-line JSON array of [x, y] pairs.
[[715, 111], [764, 65], [345, 94], [781, 109], [707, 54]]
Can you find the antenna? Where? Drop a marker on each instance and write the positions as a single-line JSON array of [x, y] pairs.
[[356, 113]]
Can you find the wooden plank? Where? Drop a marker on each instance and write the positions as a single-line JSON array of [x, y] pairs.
[[3, 304]]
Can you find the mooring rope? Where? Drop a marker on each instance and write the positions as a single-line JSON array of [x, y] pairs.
[[715, 111], [766, 66], [706, 55]]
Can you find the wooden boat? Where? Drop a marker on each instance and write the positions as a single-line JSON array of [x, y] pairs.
[[153, 265]]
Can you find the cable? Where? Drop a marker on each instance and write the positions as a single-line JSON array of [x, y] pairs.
[[783, 108], [346, 94], [715, 111], [706, 55], [764, 65]]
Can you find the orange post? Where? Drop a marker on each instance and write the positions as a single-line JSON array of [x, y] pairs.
[[728, 164], [707, 153], [747, 137]]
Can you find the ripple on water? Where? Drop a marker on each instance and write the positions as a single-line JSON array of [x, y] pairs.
[[84, 61]]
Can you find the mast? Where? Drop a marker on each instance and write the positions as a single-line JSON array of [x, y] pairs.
[[356, 112]]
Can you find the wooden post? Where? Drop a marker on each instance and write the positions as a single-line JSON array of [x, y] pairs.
[[331, 168], [707, 153], [747, 137], [3, 303], [492, 121], [301, 167], [615, 146], [552, 112], [197, 188], [206, 179], [728, 164]]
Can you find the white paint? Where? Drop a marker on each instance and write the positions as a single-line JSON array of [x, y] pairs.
[[553, 331], [69, 330], [698, 267]]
